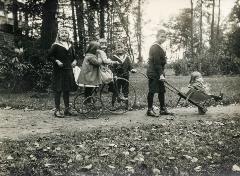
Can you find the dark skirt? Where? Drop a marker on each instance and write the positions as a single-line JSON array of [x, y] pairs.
[[63, 80], [156, 86]]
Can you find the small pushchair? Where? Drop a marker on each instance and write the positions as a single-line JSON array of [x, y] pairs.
[[194, 96]]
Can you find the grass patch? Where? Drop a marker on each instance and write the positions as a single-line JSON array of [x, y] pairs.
[[229, 85]]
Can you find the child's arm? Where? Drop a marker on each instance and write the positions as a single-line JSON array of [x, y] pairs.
[[130, 67], [94, 61], [198, 86], [105, 59]]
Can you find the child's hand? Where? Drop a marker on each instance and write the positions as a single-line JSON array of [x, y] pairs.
[[59, 63], [162, 78], [133, 70], [116, 62], [74, 63]]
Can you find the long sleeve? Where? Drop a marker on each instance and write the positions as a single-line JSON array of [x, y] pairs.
[[158, 59], [73, 54], [104, 57], [51, 53], [94, 61], [130, 67]]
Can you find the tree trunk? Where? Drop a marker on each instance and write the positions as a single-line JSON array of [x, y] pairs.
[[201, 39], [125, 24], [80, 26], [212, 25], [91, 20], [218, 23], [200, 25], [139, 32], [192, 54], [15, 17], [26, 20], [110, 21], [49, 23], [102, 18], [74, 23]]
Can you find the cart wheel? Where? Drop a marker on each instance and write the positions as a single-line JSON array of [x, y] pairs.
[[92, 107], [118, 104], [202, 110], [77, 102]]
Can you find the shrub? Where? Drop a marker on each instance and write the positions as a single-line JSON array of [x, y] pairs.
[[28, 71], [180, 67], [13, 70], [40, 74]]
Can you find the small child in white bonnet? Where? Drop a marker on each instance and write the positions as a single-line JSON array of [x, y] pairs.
[[197, 82]]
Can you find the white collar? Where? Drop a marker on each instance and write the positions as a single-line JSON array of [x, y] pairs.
[[122, 58], [63, 44]]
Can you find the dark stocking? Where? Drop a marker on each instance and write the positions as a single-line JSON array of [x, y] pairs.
[[161, 98], [66, 99], [150, 100], [57, 99]]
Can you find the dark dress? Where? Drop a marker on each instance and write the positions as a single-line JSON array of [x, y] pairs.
[[156, 63], [62, 78]]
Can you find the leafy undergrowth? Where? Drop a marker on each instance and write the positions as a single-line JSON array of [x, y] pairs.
[[185, 148]]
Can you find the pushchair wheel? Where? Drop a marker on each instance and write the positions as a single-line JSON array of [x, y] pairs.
[[202, 110]]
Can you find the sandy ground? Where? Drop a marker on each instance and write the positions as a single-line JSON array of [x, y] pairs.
[[17, 124]]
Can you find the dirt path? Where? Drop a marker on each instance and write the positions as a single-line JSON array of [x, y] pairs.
[[15, 124]]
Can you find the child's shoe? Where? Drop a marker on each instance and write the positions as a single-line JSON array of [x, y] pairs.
[[58, 114], [164, 111], [69, 112], [151, 113]]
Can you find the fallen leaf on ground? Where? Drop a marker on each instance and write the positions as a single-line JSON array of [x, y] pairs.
[[130, 169], [58, 148], [126, 153], [235, 168], [139, 157], [87, 168], [156, 171], [79, 157], [132, 149], [104, 154], [9, 157], [187, 157], [110, 166], [194, 160], [198, 168], [70, 161], [48, 165], [112, 145]]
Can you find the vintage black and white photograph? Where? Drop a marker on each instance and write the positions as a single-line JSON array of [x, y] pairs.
[[119, 87]]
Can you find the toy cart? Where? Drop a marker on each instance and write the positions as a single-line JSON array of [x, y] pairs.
[[194, 96]]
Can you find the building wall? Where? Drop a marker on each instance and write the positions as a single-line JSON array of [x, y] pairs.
[[6, 39], [6, 19]]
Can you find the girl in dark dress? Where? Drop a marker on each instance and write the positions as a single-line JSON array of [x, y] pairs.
[[62, 56]]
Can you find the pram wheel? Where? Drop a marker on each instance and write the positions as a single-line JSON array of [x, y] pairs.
[[77, 103], [92, 107], [115, 99]]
